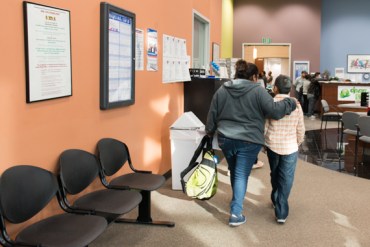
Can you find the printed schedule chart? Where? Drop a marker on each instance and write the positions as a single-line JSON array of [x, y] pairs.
[[120, 57]]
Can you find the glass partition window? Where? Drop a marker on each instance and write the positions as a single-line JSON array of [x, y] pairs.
[[200, 41]]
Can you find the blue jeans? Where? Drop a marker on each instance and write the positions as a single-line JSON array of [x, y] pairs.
[[311, 104], [240, 157], [282, 176]]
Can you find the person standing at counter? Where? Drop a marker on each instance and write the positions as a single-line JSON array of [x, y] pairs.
[[298, 84], [237, 113], [306, 84], [269, 78], [313, 94]]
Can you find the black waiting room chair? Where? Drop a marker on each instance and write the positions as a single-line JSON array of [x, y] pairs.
[[77, 170], [328, 115], [349, 127], [113, 155], [363, 136], [26, 190]]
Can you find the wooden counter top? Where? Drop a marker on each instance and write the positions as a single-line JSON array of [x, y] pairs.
[[329, 92], [346, 83]]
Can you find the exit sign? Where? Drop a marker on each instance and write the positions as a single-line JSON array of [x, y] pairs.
[[266, 40]]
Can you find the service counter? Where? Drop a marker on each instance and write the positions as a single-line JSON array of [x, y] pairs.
[[340, 93]]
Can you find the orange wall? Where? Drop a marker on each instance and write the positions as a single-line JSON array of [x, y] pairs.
[[37, 133]]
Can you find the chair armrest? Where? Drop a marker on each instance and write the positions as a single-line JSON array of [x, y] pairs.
[[67, 207], [358, 130], [20, 244], [141, 171], [123, 187], [135, 170], [75, 210], [336, 109]]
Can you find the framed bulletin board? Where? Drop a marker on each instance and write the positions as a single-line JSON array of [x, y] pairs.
[[48, 52], [298, 67], [117, 57]]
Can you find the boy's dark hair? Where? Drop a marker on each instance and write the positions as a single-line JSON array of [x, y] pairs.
[[283, 84]]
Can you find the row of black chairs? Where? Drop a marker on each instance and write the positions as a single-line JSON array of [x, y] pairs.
[[357, 125], [353, 124], [25, 190]]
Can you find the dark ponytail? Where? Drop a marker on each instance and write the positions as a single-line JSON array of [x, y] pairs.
[[244, 70]]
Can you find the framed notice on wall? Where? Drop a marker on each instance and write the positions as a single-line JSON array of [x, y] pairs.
[[48, 52], [117, 57], [298, 67]]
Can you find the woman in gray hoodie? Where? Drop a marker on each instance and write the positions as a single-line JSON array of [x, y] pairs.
[[237, 113]]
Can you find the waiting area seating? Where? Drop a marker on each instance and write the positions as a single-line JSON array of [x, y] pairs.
[[328, 115], [113, 154], [27, 190], [77, 170], [363, 136], [349, 127]]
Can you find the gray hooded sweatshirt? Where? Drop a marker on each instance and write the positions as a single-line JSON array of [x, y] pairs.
[[239, 108]]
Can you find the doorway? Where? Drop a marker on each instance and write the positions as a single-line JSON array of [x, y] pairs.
[[269, 57]]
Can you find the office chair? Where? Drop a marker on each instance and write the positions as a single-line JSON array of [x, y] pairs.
[[25, 191], [77, 170], [113, 155], [364, 134], [329, 116], [349, 127]]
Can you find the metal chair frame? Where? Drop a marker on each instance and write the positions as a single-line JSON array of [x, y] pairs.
[[113, 154], [349, 126], [329, 116]]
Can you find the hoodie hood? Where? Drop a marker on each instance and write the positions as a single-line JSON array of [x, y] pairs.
[[239, 87]]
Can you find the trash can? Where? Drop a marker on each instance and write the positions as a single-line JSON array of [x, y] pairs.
[[186, 134]]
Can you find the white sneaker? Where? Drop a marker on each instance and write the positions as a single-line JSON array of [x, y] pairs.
[[281, 221], [259, 164], [312, 117]]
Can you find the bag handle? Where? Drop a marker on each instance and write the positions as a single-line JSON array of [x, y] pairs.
[[206, 140]]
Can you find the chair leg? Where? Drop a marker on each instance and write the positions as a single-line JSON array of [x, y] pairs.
[[338, 128], [145, 213], [340, 150], [364, 148], [356, 150]]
